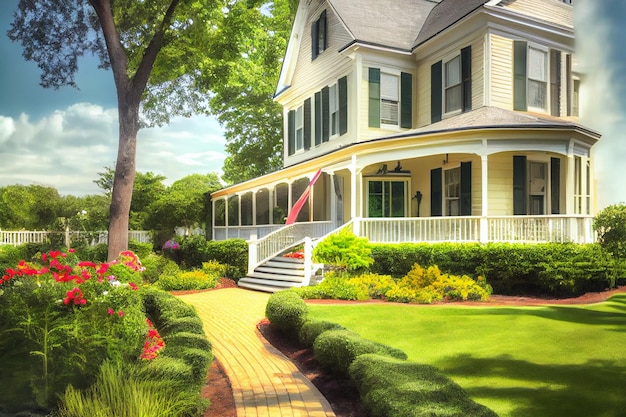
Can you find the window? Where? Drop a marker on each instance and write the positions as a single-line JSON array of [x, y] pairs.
[[537, 78], [319, 41], [452, 187], [333, 104], [390, 99], [452, 86], [387, 198], [582, 186], [536, 186], [299, 128]]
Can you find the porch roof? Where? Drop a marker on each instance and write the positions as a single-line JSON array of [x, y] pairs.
[[482, 119]]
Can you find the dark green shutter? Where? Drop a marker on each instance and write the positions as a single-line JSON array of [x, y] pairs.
[[318, 118], [436, 187], [374, 97], [520, 49], [307, 124], [555, 185], [342, 85], [325, 114], [291, 132], [519, 185], [555, 83], [406, 100], [435, 92], [466, 189], [466, 77]]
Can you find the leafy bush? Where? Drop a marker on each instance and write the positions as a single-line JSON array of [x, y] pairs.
[[394, 388], [344, 250], [155, 266], [335, 350], [610, 224], [377, 285], [286, 311], [400, 294], [313, 328], [232, 252], [214, 268], [188, 280], [171, 325]]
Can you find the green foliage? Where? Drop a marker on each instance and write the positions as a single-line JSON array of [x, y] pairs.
[[337, 286], [610, 224], [116, 394], [311, 329], [335, 350], [214, 268], [286, 311], [344, 250], [187, 280], [194, 251], [189, 324], [395, 388], [155, 266], [377, 285], [187, 339]]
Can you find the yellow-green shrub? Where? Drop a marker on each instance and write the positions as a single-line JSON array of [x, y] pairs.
[[419, 277], [377, 285], [189, 280]]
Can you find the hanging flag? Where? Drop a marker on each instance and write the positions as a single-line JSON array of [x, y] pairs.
[[295, 210]]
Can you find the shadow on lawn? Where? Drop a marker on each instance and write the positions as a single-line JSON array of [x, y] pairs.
[[596, 388]]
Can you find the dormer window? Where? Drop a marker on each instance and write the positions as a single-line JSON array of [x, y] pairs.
[[319, 41]]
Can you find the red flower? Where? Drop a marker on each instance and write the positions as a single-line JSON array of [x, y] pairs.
[[133, 286], [87, 263], [76, 296]]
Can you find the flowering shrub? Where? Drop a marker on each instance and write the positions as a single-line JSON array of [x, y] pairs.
[[153, 344], [170, 245], [295, 255], [61, 318]]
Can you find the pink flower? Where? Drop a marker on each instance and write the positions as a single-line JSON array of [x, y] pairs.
[[120, 313], [133, 286], [110, 311]]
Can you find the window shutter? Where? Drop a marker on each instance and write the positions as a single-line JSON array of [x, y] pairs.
[[307, 124], [555, 185], [466, 77], [374, 97], [466, 189], [519, 185], [520, 49], [406, 100], [318, 118], [555, 83], [325, 114], [291, 132], [436, 186], [342, 83], [435, 92], [314, 40]]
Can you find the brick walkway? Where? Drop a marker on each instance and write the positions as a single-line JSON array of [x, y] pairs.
[[265, 383]]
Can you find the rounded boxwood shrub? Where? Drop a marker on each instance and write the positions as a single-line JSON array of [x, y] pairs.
[[286, 311], [313, 328], [335, 350], [198, 359], [192, 340], [166, 368], [181, 324]]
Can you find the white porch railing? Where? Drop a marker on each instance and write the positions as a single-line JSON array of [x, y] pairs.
[[527, 229], [19, 237], [244, 232]]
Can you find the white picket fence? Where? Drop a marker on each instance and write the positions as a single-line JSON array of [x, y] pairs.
[[19, 237]]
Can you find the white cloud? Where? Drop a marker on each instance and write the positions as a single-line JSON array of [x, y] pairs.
[[68, 147]]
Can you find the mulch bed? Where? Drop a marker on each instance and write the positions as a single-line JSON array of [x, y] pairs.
[[341, 394]]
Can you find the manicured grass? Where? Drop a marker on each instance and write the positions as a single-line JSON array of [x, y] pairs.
[[553, 361]]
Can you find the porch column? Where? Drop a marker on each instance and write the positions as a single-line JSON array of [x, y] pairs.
[[484, 223]]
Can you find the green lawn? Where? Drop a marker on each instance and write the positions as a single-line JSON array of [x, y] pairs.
[[554, 361]]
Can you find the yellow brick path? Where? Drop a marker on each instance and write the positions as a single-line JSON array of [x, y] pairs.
[[265, 383]]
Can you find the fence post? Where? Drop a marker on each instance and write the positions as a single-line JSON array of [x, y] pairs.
[[67, 237]]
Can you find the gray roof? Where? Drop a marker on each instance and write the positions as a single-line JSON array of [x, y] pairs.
[[394, 24], [444, 15], [496, 118]]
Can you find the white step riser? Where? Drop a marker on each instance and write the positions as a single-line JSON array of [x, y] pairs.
[[280, 271], [276, 277], [281, 284], [264, 288], [284, 265]]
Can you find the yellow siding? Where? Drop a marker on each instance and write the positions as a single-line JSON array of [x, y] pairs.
[[554, 11], [312, 75], [500, 173], [478, 73], [423, 94], [501, 72]]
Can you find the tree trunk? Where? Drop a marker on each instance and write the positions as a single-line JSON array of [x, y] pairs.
[[124, 177]]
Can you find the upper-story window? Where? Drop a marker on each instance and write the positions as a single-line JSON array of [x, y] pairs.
[[320, 118], [451, 85], [537, 78], [319, 39], [390, 99]]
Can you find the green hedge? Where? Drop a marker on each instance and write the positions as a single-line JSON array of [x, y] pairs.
[[311, 329], [559, 269], [194, 250], [335, 350], [286, 311], [394, 388]]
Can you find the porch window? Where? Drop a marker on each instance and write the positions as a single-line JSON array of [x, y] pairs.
[[387, 198], [452, 189], [582, 186], [536, 186]]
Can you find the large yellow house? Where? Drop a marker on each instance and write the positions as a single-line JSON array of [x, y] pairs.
[[430, 121]]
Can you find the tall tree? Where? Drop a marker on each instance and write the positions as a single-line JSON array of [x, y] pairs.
[[156, 50], [244, 104]]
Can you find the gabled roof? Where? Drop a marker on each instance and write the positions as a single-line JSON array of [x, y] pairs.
[[444, 15], [393, 24]]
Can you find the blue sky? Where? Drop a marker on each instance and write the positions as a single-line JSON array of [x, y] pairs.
[[64, 137]]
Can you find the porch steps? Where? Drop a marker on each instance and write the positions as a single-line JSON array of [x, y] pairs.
[[276, 274]]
